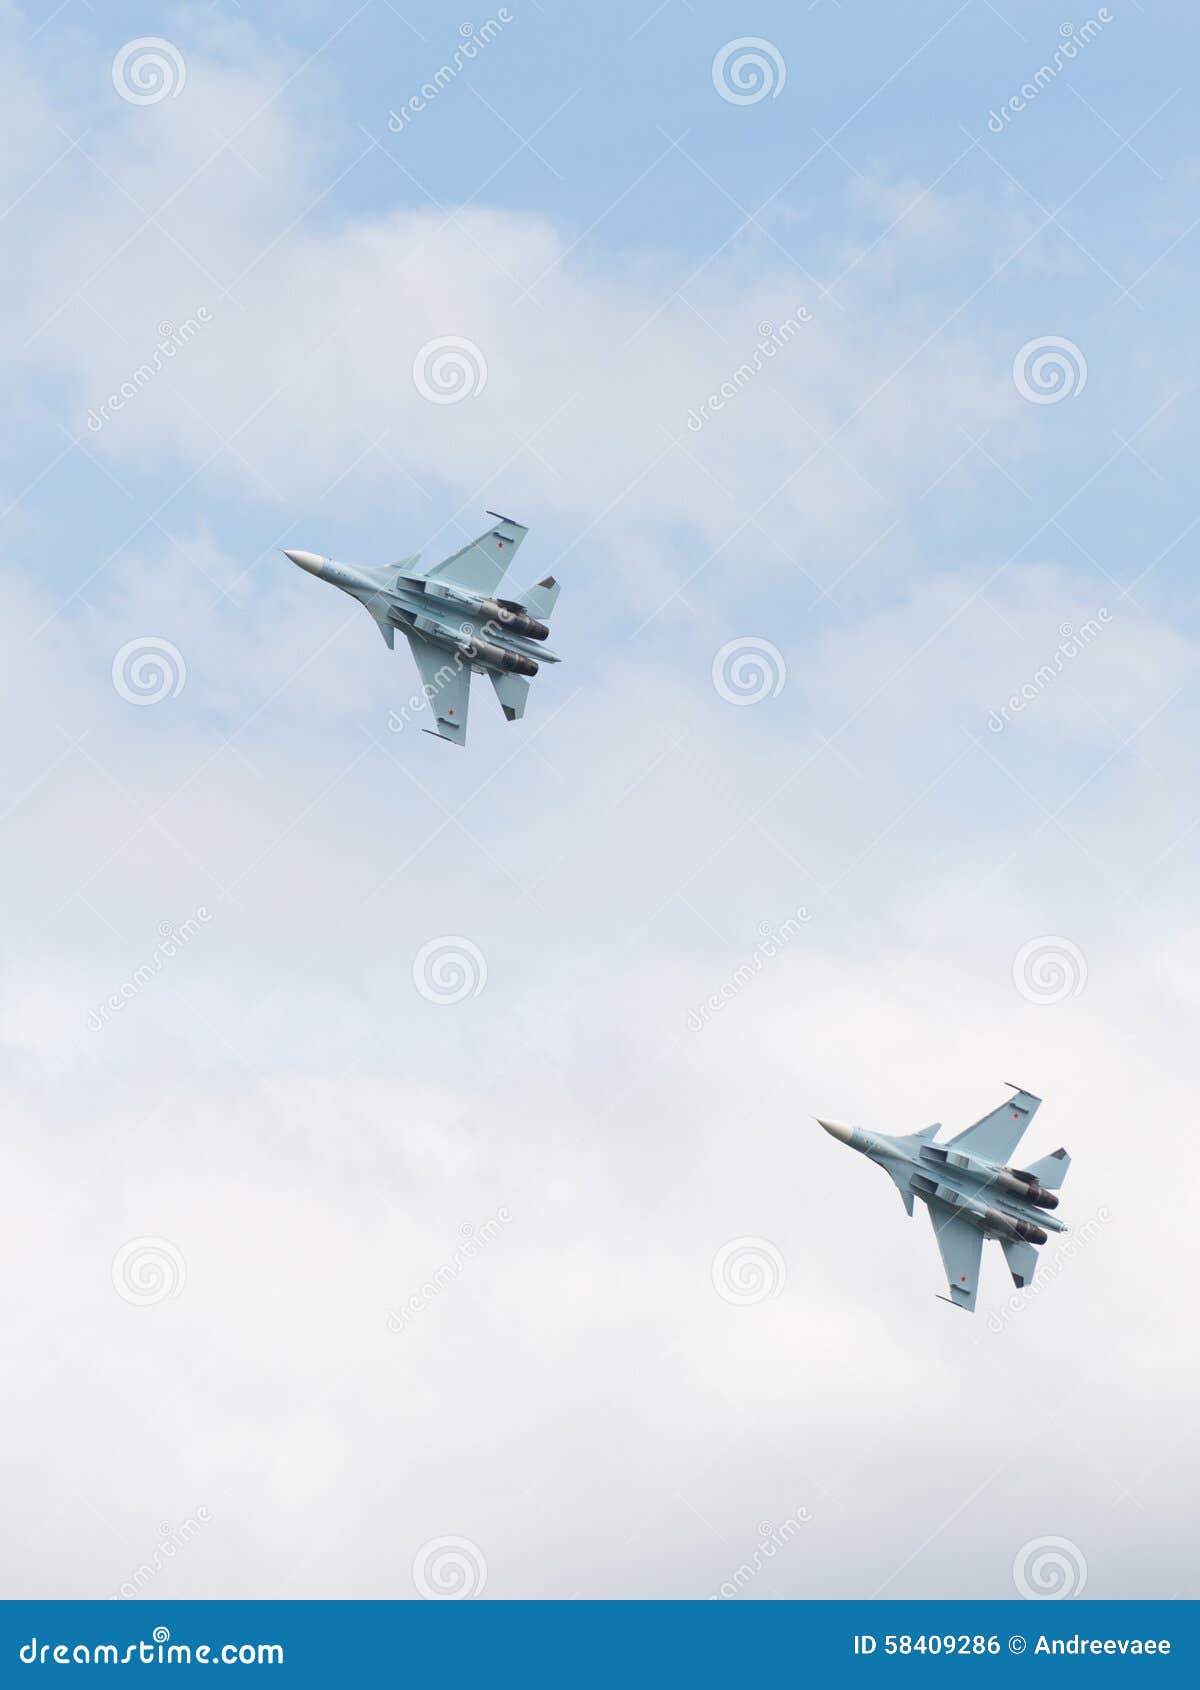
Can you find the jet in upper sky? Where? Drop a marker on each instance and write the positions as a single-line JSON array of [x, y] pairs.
[[970, 1190], [454, 623]]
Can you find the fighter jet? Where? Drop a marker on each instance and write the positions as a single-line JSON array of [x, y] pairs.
[[970, 1190], [454, 623]]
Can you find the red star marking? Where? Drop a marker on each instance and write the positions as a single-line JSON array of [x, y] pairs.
[[962, 1279], [450, 712]]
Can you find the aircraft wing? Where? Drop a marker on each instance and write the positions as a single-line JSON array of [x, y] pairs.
[[481, 565], [998, 1134], [447, 683], [961, 1245]]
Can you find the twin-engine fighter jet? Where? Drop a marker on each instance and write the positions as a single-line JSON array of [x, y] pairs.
[[453, 621], [971, 1192]]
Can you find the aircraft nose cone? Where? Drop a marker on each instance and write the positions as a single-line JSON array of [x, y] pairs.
[[311, 561], [835, 1129]]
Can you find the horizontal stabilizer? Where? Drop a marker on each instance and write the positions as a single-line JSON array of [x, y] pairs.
[[512, 691], [1051, 1171], [1021, 1259]]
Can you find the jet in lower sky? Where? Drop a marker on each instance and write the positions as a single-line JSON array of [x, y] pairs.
[[971, 1191], [453, 621]]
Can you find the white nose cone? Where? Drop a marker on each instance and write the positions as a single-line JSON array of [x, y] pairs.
[[835, 1129], [311, 561]]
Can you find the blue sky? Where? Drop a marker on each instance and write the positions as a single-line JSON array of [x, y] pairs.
[[889, 516]]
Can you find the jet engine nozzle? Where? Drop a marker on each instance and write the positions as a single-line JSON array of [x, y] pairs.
[[1009, 1227], [514, 617], [1025, 1185], [496, 657]]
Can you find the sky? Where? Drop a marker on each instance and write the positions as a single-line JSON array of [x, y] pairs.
[[413, 1182]]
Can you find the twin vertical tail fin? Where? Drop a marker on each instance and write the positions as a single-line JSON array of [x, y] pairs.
[[539, 601], [1051, 1171]]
